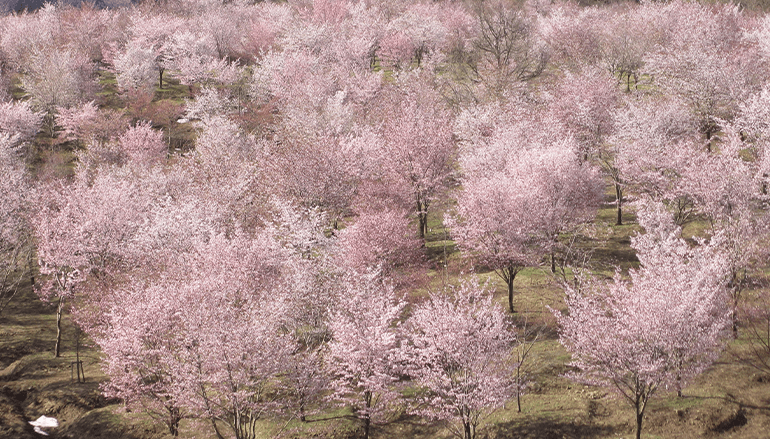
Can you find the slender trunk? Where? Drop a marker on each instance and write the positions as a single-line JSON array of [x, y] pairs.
[[422, 219], [640, 405], [468, 432], [367, 417], [735, 316], [59, 309], [553, 262], [735, 290], [216, 429], [81, 374], [518, 388], [510, 290], [160, 75], [31, 268], [619, 200]]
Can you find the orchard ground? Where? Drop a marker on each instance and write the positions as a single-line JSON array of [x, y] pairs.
[[730, 400]]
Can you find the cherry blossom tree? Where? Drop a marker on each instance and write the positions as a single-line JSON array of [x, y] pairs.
[[379, 239], [323, 173], [460, 357], [364, 353], [693, 67], [658, 331], [15, 201], [83, 232], [213, 348], [419, 150], [152, 34], [519, 192], [57, 78], [583, 106], [88, 123], [656, 139], [507, 46], [135, 68], [18, 119], [142, 352]]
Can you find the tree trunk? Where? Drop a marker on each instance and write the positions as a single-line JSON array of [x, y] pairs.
[[59, 309], [508, 274], [619, 200], [173, 421], [468, 434], [216, 429], [518, 388], [422, 219], [553, 262], [639, 417], [367, 417], [160, 75]]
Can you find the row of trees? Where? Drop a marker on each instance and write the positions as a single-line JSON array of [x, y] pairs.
[[271, 262]]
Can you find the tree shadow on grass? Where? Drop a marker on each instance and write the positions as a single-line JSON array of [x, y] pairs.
[[545, 428]]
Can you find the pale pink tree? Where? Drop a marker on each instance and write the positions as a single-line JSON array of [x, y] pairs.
[[574, 35], [195, 58], [142, 351], [584, 106], [57, 78], [261, 33], [507, 47], [86, 29], [83, 232], [87, 123], [413, 35], [152, 34], [460, 357], [656, 140], [693, 66], [567, 193], [143, 145], [135, 68], [215, 347], [727, 189], [419, 150], [18, 118], [658, 331], [380, 239], [519, 193], [492, 227], [25, 34], [16, 196], [323, 173], [365, 350]]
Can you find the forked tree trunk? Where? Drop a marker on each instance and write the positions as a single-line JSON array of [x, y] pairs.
[[508, 274]]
